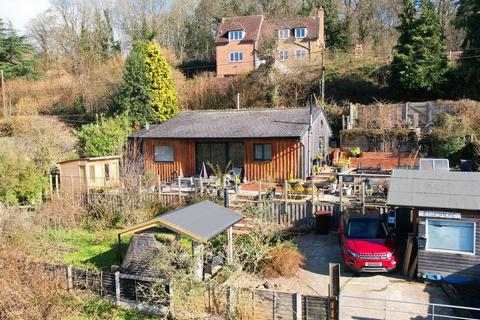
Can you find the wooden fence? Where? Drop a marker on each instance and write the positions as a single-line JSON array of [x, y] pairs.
[[133, 291]]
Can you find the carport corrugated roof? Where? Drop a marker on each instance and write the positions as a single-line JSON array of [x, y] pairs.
[[435, 189], [200, 221]]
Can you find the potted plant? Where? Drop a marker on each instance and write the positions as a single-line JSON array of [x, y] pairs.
[[342, 163], [356, 152]]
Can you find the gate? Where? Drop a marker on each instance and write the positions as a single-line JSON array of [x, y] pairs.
[[355, 307]]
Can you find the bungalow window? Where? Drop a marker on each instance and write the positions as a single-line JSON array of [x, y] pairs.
[[236, 56], [262, 152], [300, 33], [283, 33], [107, 171], [91, 173], [450, 236], [163, 154], [236, 35], [283, 55], [301, 54]]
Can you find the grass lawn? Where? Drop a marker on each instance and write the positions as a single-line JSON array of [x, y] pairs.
[[91, 249]]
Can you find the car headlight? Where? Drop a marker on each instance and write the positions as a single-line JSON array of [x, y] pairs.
[[353, 254], [390, 254]]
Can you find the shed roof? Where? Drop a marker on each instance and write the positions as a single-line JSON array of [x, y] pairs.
[[435, 189], [104, 158], [236, 124], [200, 221]]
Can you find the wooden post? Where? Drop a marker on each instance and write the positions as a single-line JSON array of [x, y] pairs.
[[117, 287], [260, 189], [340, 186], [57, 191], [201, 186], [198, 251], [285, 194], [3, 95], [69, 277], [179, 190], [334, 290], [159, 181], [298, 306], [51, 186], [230, 245]]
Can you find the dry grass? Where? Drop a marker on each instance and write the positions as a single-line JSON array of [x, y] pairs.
[[61, 212], [282, 261]]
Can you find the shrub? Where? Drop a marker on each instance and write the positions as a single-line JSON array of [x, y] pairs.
[[105, 138], [282, 261]]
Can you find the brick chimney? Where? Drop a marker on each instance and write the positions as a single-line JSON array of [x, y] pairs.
[[321, 26]]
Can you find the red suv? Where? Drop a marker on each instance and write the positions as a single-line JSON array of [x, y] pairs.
[[367, 245]]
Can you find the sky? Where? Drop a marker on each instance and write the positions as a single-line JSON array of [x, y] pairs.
[[20, 12]]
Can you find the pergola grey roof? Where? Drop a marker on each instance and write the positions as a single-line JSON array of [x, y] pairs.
[[200, 221], [435, 189], [234, 124]]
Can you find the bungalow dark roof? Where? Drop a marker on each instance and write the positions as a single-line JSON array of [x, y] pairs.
[[234, 124], [250, 24], [435, 189]]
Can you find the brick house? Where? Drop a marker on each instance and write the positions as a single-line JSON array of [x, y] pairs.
[[298, 41]]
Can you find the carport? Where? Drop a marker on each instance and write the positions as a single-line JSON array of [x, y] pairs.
[[200, 222]]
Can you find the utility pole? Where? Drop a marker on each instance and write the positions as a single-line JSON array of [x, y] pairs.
[[3, 94]]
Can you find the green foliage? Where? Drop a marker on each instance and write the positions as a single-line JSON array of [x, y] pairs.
[[468, 19], [449, 137], [20, 182], [419, 64], [16, 55], [164, 97], [338, 31], [147, 94], [105, 138]]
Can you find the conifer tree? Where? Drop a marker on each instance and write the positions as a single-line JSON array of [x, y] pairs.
[[147, 94], [468, 19], [419, 63]]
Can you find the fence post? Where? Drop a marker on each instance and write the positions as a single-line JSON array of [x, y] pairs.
[[201, 186], [51, 186], [260, 189], [230, 245], [179, 190], [159, 189], [298, 306], [57, 191], [334, 290], [117, 287], [69, 277]]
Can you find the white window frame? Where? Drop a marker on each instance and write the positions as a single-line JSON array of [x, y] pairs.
[[236, 35], [236, 56], [301, 56], [451, 251], [160, 160], [283, 55], [301, 37], [283, 33]]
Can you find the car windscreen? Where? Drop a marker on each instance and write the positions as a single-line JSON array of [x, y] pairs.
[[367, 229]]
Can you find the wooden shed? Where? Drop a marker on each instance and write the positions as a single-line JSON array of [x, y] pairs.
[[89, 173], [445, 209], [264, 143]]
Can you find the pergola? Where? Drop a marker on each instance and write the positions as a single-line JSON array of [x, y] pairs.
[[200, 222]]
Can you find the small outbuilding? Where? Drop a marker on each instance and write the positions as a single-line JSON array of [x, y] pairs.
[[445, 211], [199, 222], [89, 173]]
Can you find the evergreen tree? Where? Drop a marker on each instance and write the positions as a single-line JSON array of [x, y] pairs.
[[16, 55], [164, 97], [468, 19], [147, 94], [339, 32], [419, 63]]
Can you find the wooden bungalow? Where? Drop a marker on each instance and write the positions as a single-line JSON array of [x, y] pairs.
[[445, 211], [264, 143]]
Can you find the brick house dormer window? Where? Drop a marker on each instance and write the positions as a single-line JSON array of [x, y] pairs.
[[300, 33], [283, 33], [236, 35]]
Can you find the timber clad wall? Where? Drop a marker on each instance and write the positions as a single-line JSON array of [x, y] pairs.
[[285, 159], [454, 264], [184, 158]]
